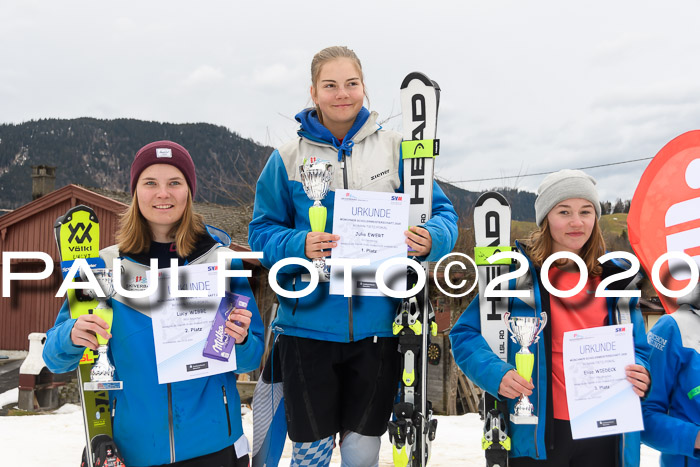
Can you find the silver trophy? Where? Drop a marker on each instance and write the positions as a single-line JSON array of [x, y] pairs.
[[524, 331], [316, 177], [102, 372]]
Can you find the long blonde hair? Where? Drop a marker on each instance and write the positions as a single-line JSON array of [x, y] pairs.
[[332, 53], [134, 235], [540, 247]]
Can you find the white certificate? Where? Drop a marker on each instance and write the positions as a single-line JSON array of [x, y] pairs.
[[181, 325], [601, 400], [371, 226]]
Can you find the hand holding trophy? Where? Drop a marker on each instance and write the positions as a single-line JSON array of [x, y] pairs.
[[102, 373], [524, 331], [316, 179]]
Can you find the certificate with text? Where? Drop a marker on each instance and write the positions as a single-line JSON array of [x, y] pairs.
[[601, 400], [181, 324], [371, 226]]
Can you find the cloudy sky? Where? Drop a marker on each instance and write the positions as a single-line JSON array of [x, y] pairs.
[[527, 86]]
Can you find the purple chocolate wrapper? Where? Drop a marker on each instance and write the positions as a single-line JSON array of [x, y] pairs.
[[219, 344]]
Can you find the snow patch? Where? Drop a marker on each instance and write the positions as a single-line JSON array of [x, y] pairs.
[[9, 397]]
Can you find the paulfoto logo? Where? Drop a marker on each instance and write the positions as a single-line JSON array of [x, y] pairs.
[[346, 264]]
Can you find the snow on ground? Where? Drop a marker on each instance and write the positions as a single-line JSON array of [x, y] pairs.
[[57, 439], [9, 397]]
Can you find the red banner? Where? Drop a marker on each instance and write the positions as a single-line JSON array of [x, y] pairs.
[[665, 213]]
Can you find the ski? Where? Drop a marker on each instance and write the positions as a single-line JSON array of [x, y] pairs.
[[269, 420], [413, 428], [492, 235], [78, 236]]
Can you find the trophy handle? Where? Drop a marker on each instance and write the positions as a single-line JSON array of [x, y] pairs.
[[508, 322], [540, 326]]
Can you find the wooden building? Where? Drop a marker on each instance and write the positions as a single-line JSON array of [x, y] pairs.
[[32, 305]]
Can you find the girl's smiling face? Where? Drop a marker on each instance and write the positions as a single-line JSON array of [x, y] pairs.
[[162, 193], [571, 224], [339, 94]]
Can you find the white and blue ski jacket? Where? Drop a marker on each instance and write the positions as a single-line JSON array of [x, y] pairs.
[[155, 423], [475, 358], [367, 159], [672, 408]]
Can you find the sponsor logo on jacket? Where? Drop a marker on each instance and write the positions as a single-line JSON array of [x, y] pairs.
[[656, 341], [380, 174]]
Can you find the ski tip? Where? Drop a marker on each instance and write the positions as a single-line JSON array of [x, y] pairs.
[[491, 195], [69, 214], [59, 222], [416, 75]]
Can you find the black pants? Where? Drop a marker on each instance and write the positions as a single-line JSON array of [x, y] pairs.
[[330, 387], [588, 452], [225, 458]]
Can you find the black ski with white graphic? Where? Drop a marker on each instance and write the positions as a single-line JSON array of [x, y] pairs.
[[413, 429], [492, 235]]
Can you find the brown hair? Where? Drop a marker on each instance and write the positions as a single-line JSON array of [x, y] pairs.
[[332, 53], [134, 235], [540, 247]]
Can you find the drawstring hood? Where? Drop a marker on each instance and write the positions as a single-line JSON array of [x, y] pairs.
[[313, 129]]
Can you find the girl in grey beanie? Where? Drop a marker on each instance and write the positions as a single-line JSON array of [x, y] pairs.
[[567, 211]]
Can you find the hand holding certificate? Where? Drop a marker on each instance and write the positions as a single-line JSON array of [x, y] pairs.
[[371, 226], [602, 401], [181, 325]]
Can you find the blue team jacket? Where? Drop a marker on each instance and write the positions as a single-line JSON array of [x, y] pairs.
[[475, 358], [155, 422], [369, 159], [672, 408]]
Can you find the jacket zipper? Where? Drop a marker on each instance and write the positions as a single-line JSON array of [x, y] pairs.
[[228, 417], [622, 451], [204, 254], [350, 323], [171, 431]]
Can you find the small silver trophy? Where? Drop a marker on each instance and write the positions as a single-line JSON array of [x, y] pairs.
[[316, 177], [524, 331], [102, 372]]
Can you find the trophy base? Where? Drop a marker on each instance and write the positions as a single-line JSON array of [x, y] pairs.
[[321, 278], [523, 419], [103, 386]]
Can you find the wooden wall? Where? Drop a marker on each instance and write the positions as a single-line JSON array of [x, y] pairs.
[[32, 305]]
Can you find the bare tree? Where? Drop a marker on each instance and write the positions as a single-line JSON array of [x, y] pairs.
[[233, 178]]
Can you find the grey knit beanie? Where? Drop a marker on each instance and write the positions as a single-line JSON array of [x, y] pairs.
[[562, 185]]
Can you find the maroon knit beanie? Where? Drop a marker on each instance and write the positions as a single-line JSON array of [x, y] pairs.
[[164, 152]]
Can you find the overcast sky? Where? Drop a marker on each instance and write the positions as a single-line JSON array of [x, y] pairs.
[[527, 86]]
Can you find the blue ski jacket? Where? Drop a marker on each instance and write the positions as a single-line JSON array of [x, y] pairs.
[[367, 159], [156, 423], [672, 408], [475, 358]]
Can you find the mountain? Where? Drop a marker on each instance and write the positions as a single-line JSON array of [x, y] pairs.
[[98, 153], [522, 203]]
